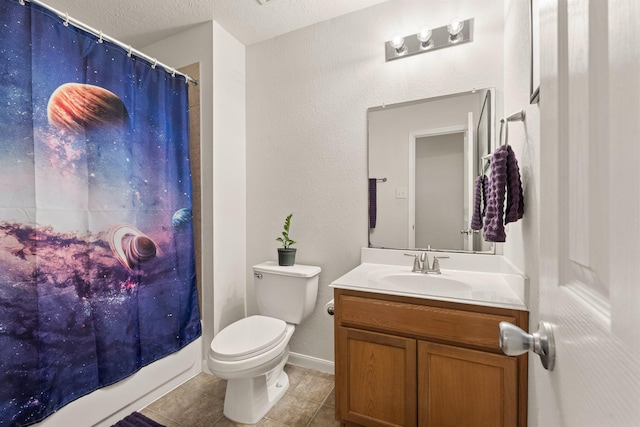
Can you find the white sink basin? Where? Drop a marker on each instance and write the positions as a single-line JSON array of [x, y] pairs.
[[418, 281], [407, 281]]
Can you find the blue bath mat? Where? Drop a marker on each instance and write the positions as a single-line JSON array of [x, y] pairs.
[[136, 419]]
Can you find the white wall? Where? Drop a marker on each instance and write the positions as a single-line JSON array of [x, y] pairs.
[[229, 178], [222, 96], [522, 245], [307, 97]]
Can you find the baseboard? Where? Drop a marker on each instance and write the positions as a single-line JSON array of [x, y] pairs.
[[312, 363]]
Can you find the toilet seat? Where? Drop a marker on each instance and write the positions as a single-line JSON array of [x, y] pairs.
[[247, 338]]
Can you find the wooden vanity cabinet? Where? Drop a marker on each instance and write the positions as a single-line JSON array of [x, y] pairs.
[[403, 361]]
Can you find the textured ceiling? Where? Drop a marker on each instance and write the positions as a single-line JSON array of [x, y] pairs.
[[142, 22]]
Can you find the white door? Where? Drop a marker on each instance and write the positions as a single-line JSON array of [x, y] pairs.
[[590, 212]]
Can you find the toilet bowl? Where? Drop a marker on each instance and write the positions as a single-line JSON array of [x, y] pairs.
[[252, 352]]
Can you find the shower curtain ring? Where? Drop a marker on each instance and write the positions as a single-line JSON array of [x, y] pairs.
[[100, 39], [129, 53], [21, 2], [66, 19], [173, 72], [155, 62]]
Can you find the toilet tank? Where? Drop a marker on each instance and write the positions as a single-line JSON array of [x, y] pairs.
[[286, 292]]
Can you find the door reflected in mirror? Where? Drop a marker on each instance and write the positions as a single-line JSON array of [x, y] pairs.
[[424, 157]]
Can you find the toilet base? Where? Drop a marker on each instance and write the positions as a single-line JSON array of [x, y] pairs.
[[247, 400]]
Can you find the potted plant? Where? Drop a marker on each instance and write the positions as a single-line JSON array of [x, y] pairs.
[[286, 255]]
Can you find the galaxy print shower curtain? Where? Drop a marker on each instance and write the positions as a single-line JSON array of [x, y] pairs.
[[97, 269]]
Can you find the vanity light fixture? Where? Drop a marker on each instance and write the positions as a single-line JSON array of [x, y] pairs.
[[458, 32]]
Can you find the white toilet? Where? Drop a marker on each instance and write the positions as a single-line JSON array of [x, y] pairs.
[[251, 353]]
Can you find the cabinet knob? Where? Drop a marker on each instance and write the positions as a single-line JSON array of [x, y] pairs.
[[514, 342]]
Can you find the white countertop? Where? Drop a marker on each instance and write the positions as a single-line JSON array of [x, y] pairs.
[[487, 288]]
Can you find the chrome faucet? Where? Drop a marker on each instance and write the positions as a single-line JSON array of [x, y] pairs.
[[421, 263]]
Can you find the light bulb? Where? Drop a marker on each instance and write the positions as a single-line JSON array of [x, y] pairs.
[[424, 36], [455, 28], [397, 42]]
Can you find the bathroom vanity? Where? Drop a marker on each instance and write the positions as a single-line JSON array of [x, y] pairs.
[[414, 349]]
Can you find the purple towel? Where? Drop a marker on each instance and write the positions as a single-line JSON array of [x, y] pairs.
[[372, 202], [515, 197], [493, 225], [504, 183], [136, 419], [480, 203]]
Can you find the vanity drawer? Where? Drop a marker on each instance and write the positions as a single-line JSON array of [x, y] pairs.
[[473, 328]]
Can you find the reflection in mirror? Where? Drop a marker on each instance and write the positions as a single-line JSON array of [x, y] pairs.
[[423, 159]]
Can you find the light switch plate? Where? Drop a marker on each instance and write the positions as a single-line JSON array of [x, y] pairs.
[[401, 192]]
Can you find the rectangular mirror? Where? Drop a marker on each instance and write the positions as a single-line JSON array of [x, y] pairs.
[[424, 157]]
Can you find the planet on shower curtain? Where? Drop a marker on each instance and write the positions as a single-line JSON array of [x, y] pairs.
[[131, 247], [97, 266], [77, 107], [182, 219]]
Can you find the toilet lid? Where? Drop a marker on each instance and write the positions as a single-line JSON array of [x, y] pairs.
[[248, 337]]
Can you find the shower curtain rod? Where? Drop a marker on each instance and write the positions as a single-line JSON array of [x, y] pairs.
[[127, 48]]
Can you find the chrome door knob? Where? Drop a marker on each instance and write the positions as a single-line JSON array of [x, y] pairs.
[[514, 342], [469, 231]]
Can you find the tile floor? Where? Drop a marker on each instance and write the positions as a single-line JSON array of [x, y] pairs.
[[310, 401]]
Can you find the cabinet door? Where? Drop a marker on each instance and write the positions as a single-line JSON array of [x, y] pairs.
[[375, 378], [462, 387]]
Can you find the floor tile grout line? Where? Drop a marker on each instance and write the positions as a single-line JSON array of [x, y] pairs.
[[320, 407], [314, 415]]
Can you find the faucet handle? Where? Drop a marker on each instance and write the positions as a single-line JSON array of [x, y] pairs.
[[436, 264], [417, 262]]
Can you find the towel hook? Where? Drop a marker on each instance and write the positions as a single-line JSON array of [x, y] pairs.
[[518, 116]]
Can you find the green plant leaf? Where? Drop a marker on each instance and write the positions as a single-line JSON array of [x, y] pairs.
[[285, 240]]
